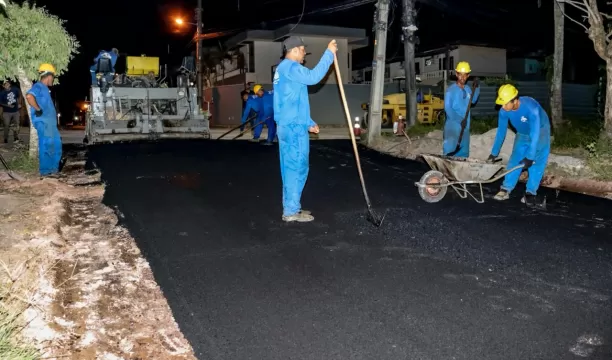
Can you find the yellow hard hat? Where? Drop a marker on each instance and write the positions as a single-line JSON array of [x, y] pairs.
[[463, 67], [46, 68], [505, 94], [256, 88]]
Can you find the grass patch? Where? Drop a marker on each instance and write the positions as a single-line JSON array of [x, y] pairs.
[[600, 158], [576, 133], [16, 286], [20, 162]]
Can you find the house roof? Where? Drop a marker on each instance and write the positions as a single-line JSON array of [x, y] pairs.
[[356, 37]]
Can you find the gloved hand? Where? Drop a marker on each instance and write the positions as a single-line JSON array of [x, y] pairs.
[[491, 158], [476, 82], [527, 163], [38, 113]]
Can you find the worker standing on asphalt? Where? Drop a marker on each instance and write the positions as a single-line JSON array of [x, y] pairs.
[[292, 114], [9, 100], [44, 119], [268, 114], [456, 101], [253, 103], [532, 143], [112, 55]]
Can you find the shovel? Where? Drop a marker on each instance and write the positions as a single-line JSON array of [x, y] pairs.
[[373, 218]]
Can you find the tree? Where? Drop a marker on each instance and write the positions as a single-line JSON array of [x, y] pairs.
[[601, 35], [31, 36], [556, 84]]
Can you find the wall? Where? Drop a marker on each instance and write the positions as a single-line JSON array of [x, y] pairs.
[[483, 61], [267, 54], [577, 99], [326, 106]]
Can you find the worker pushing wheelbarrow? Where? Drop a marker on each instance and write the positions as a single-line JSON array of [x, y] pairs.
[[457, 173]]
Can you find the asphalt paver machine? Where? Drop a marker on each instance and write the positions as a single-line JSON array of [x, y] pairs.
[[138, 105]]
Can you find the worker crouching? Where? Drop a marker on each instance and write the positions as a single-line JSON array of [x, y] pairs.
[[253, 104], [268, 115], [531, 145], [457, 107], [44, 120]]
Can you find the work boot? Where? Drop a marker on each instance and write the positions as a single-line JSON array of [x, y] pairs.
[[254, 140], [502, 195], [305, 212], [299, 217], [268, 143], [530, 199]]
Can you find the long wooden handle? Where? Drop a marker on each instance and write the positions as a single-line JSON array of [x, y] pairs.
[[348, 121]]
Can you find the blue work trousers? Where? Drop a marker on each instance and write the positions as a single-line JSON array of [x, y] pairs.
[[271, 124], [258, 124], [94, 79], [294, 149], [49, 150], [536, 171], [451, 133]]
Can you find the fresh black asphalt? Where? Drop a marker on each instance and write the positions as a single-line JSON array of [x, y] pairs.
[[451, 280]]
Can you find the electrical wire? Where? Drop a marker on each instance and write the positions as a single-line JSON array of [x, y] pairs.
[[301, 16]]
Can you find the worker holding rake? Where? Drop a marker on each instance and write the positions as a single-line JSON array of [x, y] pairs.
[[292, 114]]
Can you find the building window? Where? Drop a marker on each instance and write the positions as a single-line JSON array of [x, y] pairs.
[[251, 65], [439, 63], [417, 68], [368, 75], [348, 60], [452, 63]]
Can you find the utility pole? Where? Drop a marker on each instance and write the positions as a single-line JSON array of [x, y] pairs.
[[410, 39], [199, 53], [381, 16]]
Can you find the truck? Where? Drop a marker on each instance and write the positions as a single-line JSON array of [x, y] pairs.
[[139, 105]]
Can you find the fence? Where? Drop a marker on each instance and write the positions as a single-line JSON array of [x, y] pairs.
[[326, 106]]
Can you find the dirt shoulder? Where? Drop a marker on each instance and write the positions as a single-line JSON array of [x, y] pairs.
[[571, 170], [89, 293]]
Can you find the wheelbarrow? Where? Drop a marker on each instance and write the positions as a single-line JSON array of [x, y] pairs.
[[457, 173]]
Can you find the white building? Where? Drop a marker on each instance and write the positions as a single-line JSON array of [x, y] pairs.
[[431, 65], [256, 53]]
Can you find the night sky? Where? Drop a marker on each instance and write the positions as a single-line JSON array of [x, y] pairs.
[[138, 27]]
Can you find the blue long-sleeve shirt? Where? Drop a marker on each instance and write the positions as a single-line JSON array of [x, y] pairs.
[[268, 104], [42, 94], [104, 53], [291, 80], [254, 103], [456, 101], [529, 119]]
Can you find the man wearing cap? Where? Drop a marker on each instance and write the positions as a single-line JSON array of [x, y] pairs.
[[44, 119], [531, 144], [456, 101], [292, 115], [9, 100]]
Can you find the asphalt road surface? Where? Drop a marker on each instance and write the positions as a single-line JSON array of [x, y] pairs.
[[452, 280]]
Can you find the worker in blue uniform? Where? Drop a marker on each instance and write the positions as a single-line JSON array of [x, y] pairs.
[[268, 115], [456, 101], [531, 145], [254, 104], [44, 120], [112, 55], [292, 115]]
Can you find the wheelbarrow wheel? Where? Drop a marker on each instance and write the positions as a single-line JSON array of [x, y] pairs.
[[433, 194]]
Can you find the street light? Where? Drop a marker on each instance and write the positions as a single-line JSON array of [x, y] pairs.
[[179, 21]]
